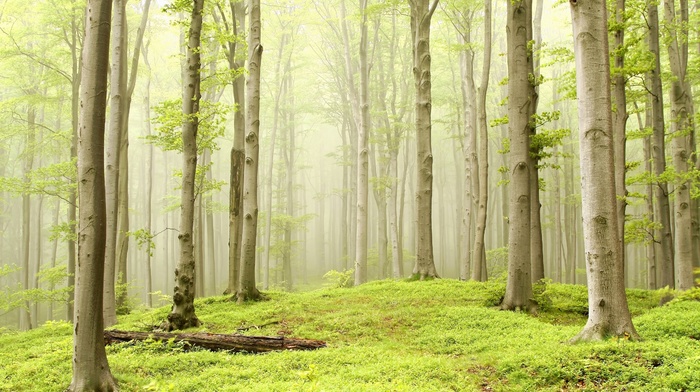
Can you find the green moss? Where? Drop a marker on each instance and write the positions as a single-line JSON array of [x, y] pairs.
[[434, 335]]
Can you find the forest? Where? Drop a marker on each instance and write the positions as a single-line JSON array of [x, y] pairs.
[[444, 195]]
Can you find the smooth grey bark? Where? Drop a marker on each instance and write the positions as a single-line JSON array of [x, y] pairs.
[[620, 117], [608, 313], [650, 251], [469, 141], [519, 285], [362, 156], [149, 175], [28, 163], [182, 314], [117, 103], [663, 236], [421, 15], [289, 160], [536, 243], [91, 370], [680, 129], [247, 289], [479, 273]]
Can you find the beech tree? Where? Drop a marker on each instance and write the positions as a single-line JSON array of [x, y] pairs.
[[519, 286], [183, 314], [362, 156], [90, 367], [421, 14], [247, 289], [608, 313]]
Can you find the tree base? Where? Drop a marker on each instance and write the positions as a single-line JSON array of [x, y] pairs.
[[177, 321], [422, 276], [104, 383], [596, 333], [253, 295]]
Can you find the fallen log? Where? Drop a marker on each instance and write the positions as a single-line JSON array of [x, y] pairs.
[[216, 342]]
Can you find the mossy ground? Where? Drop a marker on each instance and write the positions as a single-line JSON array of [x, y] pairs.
[[439, 335]]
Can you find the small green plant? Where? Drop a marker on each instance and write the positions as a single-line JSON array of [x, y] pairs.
[[340, 279]]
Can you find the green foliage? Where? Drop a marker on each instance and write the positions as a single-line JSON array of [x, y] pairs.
[[15, 296], [169, 119], [121, 290], [340, 279], [144, 239], [387, 335]]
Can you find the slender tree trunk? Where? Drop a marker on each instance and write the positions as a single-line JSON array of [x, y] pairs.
[[236, 61], [650, 250], [608, 313], [149, 183], [620, 121], [247, 288], [90, 367], [26, 315], [680, 128], [291, 151], [536, 244], [362, 156], [519, 285], [479, 249], [117, 102], [663, 236], [183, 314], [421, 14]]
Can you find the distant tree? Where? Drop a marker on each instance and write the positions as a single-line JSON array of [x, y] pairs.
[[362, 156], [421, 14], [90, 367], [608, 313], [183, 314], [247, 289]]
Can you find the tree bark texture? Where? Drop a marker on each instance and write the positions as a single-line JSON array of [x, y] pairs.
[[421, 14], [519, 286], [680, 129], [112, 155], [90, 368], [663, 236], [479, 272], [218, 342], [608, 313], [620, 117], [247, 289], [183, 315], [362, 156], [237, 151]]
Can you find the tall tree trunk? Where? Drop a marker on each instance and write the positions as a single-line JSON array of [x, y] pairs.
[[519, 285], [149, 180], [90, 367], [469, 155], [421, 14], [183, 314], [362, 156], [680, 128], [26, 315], [479, 271], [663, 235], [608, 313], [117, 102], [536, 245], [235, 61], [287, 260], [247, 289], [620, 121], [650, 250]]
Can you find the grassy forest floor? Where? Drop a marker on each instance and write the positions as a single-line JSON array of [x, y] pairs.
[[440, 335]]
